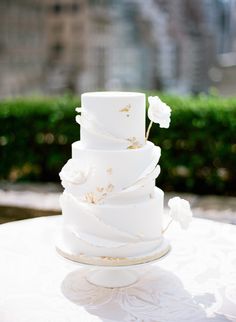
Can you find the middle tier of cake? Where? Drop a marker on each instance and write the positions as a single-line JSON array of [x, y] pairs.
[[114, 176]]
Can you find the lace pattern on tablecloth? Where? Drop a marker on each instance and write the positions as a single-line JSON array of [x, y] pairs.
[[158, 296], [196, 282]]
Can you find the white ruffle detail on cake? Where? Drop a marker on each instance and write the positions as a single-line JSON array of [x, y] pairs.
[[112, 230], [150, 173], [87, 121], [80, 244], [93, 240], [142, 182], [138, 183], [105, 243], [88, 222]]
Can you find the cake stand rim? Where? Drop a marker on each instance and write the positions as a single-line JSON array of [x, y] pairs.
[[159, 256]]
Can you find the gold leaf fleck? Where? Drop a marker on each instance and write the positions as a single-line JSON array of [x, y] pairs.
[[110, 187], [99, 195], [134, 143], [126, 108], [109, 171], [90, 197], [112, 258]]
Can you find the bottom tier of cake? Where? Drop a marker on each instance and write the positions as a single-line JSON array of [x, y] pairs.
[[112, 231], [162, 249]]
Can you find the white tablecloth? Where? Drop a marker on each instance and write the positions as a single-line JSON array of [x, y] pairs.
[[195, 282]]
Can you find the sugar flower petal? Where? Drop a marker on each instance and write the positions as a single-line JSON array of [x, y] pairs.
[[180, 211], [159, 112], [73, 173]]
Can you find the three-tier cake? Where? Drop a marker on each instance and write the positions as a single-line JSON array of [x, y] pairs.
[[112, 210]]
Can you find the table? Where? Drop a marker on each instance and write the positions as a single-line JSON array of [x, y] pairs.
[[196, 282]]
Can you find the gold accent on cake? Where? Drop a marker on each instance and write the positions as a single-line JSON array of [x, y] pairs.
[[115, 261], [100, 189], [99, 194], [134, 144], [109, 258], [91, 197], [126, 108], [109, 171], [110, 187]]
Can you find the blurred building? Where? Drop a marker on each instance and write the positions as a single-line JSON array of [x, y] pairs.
[[66, 37], [116, 48], [222, 22], [182, 46], [22, 48]]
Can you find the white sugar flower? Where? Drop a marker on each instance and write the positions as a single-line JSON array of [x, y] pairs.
[[180, 211], [72, 172], [158, 111]]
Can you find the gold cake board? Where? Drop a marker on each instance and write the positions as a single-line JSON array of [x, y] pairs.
[[162, 250]]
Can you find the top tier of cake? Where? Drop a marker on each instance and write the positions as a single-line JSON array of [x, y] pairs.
[[112, 120]]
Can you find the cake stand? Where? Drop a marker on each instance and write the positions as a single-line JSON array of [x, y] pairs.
[[114, 275]]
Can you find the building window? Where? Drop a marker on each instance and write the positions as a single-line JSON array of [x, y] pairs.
[[57, 8], [57, 49], [75, 7]]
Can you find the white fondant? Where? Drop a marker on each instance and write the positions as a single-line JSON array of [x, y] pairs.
[[112, 230], [143, 180], [82, 216], [131, 195], [123, 169], [119, 114], [78, 246], [130, 217], [93, 240], [88, 123], [110, 204]]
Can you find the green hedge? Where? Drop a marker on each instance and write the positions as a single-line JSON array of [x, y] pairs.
[[198, 150]]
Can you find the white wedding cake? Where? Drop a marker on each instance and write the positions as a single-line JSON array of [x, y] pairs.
[[112, 210]]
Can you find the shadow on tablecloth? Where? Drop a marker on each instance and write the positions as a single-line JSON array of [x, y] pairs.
[[159, 295]]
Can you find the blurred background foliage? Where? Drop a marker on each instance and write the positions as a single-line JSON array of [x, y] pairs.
[[178, 47], [198, 150]]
